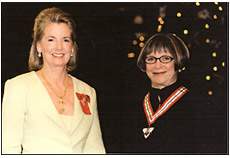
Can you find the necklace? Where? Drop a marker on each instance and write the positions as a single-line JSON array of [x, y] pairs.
[[61, 101]]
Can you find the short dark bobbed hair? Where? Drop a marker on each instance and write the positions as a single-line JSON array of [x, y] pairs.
[[166, 42]]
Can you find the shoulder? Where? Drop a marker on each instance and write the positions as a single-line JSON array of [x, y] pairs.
[[19, 84], [82, 85], [22, 79]]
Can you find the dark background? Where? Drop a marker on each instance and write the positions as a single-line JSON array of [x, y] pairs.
[[105, 32]]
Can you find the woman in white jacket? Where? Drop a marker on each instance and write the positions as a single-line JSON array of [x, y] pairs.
[[47, 110]]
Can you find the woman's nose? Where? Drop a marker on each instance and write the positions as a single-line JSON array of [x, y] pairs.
[[59, 45], [158, 64]]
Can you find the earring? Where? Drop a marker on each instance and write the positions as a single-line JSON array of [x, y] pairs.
[[39, 54], [71, 54]]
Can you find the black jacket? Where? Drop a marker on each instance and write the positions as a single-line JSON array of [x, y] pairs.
[[180, 130]]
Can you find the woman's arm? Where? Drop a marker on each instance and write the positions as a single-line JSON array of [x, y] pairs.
[[12, 117], [94, 143]]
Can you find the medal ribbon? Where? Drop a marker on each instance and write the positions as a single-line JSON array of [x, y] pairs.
[[172, 99]]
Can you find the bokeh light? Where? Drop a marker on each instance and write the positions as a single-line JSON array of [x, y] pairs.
[[178, 14], [185, 32], [214, 54], [131, 55]]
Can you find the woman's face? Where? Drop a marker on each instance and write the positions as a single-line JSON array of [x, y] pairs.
[[161, 74], [56, 45]]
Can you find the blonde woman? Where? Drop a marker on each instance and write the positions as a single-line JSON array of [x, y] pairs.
[[47, 110]]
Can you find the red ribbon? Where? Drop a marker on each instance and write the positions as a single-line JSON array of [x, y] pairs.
[[84, 100]]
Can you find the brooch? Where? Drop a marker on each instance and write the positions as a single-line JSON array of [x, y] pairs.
[[84, 100]]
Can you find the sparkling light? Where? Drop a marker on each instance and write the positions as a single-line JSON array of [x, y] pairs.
[[206, 26], [214, 54], [220, 8], [183, 68], [159, 28], [141, 44], [215, 68], [223, 64], [159, 19], [208, 78], [185, 32], [216, 3], [209, 92], [178, 14], [142, 38], [215, 16], [131, 55], [197, 4], [134, 42], [207, 40], [162, 22]]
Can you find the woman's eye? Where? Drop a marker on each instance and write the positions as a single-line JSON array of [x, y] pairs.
[[166, 58], [150, 59], [66, 40], [50, 40]]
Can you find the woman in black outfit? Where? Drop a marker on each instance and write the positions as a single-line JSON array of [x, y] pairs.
[[166, 117]]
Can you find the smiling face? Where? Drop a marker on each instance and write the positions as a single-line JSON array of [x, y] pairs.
[[56, 45], [161, 74]]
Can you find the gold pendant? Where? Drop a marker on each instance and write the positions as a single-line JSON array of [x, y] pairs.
[[147, 131], [62, 104]]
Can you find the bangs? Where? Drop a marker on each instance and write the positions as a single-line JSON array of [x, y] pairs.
[[160, 45]]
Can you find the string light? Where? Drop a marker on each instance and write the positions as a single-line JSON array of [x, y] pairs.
[[214, 54], [207, 40], [215, 68], [141, 44], [178, 14], [162, 22], [216, 3], [183, 68], [159, 28], [197, 4], [220, 8], [223, 64], [159, 19], [209, 92], [131, 55], [134, 42], [208, 78], [141, 38], [215, 16], [206, 26], [185, 32]]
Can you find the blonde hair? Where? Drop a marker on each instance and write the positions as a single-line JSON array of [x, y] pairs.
[[45, 17], [166, 42]]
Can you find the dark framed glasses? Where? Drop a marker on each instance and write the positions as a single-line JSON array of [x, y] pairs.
[[163, 59]]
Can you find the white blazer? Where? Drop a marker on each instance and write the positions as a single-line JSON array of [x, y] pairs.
[[30, 119]]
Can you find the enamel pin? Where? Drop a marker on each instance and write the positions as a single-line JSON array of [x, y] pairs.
[[147, 131]]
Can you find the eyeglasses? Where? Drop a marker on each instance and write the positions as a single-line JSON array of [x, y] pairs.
[[163, 59]]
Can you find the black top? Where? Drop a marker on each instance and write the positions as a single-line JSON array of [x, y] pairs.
[[179, 130]]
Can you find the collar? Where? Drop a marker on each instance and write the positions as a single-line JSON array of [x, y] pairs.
[[165, 92]]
